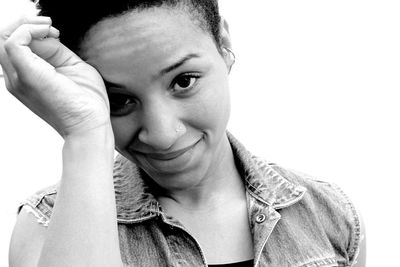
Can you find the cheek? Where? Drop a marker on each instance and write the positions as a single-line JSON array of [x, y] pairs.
[[123, 128], [213, 107]]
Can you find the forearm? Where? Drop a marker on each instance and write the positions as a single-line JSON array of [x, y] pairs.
[[83, 227]]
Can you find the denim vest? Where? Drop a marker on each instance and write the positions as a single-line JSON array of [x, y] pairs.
[[295, 220]]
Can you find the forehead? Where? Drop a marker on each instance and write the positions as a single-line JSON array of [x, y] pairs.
[[149, 32]]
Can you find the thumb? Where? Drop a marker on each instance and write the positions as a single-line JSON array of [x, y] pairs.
[[54, 52]]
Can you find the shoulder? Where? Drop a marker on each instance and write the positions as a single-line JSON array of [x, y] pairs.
[[329, 207], [31, 227], [41, 204], [321, 192], [27, 239]]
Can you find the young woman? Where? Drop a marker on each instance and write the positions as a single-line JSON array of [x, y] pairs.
[[150, 79]]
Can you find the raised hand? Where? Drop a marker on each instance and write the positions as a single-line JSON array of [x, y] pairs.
[[50, 79]]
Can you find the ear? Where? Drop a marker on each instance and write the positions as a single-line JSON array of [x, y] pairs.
[[225, 36], [226, 45]]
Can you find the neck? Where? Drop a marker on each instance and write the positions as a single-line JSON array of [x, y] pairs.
[[221, 184]]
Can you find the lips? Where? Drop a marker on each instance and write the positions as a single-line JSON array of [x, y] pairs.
[[169, 155]]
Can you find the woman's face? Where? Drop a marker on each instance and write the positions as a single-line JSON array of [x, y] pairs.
[[168, 92]]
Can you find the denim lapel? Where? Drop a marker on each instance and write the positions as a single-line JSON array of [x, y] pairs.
[[136, 203], [262, 181]]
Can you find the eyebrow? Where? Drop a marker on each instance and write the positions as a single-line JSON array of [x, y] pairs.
[[178, 63], [111, 84], [164, 71]]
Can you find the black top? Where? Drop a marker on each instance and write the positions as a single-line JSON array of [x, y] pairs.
[[248, 263]]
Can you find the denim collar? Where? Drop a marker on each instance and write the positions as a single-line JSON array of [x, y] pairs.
[[135, 202]]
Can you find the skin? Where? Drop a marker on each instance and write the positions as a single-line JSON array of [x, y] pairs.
[[194, 166], [146, 132], [70, 95], [198, 183], [47, 77]]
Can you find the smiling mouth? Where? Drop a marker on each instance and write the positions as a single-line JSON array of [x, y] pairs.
[[169, 155]]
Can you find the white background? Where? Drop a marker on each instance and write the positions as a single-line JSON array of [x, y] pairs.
[[315, 88]]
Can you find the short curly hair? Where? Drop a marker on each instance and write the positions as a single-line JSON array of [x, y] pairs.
[[74, 18]]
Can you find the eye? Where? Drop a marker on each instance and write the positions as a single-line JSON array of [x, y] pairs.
[[184, 82], [121, 104]]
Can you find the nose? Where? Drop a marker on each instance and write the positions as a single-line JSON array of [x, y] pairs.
[[161, 126]]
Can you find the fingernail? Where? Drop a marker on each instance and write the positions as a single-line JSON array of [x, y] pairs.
[[44, 19], [53, 32]]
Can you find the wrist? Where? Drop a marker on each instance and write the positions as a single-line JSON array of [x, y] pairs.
[[100, 137]]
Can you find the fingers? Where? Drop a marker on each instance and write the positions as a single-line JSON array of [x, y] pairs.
[[32, 36], [17, 45], [32, 55], [24, 35], [7, 31], [54, 52], [19, 55]]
